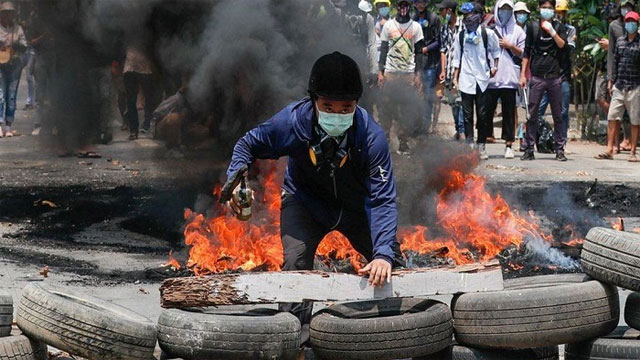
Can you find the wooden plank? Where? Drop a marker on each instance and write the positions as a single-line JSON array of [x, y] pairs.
[[298, 286]]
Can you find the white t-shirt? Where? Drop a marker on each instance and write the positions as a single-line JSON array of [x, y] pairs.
[[402, 39]]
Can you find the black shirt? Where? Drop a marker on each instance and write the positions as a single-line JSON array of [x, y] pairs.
[[543, 53], [431, 27]]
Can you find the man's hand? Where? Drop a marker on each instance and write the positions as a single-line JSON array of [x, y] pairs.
[[548, 27], [523, 82], [493, 72], [505, 44], [610, 87], [378, 270], [417, 81], [443, 76], [604, 44], [454, 84], [380, 79]]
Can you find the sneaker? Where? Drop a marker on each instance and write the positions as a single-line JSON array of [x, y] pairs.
[[144, 130], [472, 145], [483, 152], [560, 156], [36, 131], [528, 155], [508, 153]]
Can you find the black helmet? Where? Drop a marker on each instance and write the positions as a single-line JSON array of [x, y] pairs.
[[337, 77]]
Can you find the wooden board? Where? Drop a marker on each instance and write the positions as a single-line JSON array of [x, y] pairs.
[[298, 286]]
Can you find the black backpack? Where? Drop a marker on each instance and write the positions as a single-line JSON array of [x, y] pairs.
[[356, 24]]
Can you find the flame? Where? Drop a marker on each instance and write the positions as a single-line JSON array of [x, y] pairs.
[[618, 224], [573, 239], [173, 263], [471, 225]]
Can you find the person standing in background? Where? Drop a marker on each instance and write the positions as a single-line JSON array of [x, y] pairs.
[[544, 45], [13, 46], [430, 57], [616, 31], [138, 73], [562, 13], [30, 60], [504, 85], [450, 29], [476, 59]]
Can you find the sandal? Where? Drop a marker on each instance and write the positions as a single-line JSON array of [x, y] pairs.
[[633, 158], [604, 156]]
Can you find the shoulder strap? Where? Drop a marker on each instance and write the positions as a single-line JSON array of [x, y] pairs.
[[461, 35]]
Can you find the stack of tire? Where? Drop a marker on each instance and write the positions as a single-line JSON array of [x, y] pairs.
[[613, 257], [80, 325], [15, 346]]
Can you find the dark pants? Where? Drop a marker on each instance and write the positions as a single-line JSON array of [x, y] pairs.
[[301, 234], [132, 81], [554, 88], [468, 101], [566, 100], [508, 98]]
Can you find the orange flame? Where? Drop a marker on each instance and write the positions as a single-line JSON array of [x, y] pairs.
[[469, 221], [173, 263], [618, 224]]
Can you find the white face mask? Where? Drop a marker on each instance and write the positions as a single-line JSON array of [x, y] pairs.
[[335, 124]]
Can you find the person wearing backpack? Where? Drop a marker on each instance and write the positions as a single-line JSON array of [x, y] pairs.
[[431, 26], [475, 60], [545, 42], [504, 86], [400, 75], [562, 13]]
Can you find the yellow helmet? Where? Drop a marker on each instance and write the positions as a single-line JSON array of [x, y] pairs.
[[376, 2], [562, 5]]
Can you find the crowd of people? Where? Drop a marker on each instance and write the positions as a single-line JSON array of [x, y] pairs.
[[420, 54], [474, 59]]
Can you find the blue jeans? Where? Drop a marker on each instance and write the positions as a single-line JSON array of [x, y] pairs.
[[429, 78], [458, 118], [566, 99], [9, 81], [29, 69]]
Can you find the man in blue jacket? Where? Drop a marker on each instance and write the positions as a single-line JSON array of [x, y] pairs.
[[339, 175]]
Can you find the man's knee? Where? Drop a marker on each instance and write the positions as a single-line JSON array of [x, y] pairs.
[[296, 256]]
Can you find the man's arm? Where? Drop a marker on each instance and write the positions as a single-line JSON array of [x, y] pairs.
[[371, 44], [457, 59], [614, 69], [270, 140], [558, 38], [611, 51], [381, 207]]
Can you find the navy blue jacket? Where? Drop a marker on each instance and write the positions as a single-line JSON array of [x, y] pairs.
[[363, 188]]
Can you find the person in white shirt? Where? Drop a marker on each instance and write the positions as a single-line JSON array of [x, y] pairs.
[[402, 39], [475, 61]]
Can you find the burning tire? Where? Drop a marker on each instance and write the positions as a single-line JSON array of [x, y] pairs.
[[552, 310], [6, 314], [83, 325], [458, 352], [229, 332], [20, 347], [632, 310], [382, 329], [621, 344], [613, 257]]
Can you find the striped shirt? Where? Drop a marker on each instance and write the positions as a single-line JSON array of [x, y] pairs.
[[447, 36], [626, 63]]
